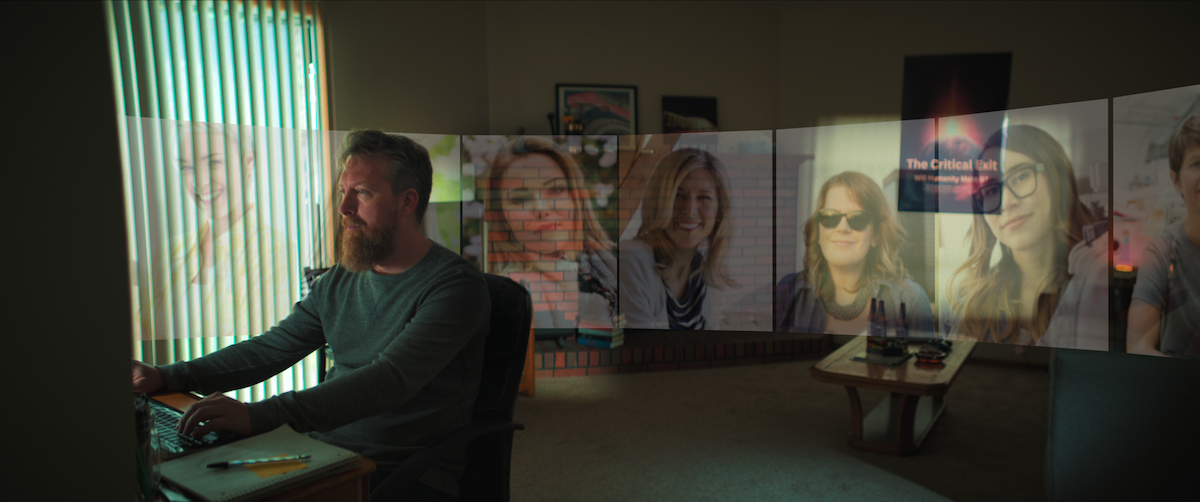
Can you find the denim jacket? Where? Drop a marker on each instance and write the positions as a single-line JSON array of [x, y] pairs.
[[799, 308]]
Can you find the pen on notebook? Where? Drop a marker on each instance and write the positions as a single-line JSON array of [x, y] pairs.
[[232, 463]]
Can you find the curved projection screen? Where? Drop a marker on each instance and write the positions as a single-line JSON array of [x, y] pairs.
[[1011, 227]]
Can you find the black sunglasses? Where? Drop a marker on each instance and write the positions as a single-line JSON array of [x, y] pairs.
[[858, 220]]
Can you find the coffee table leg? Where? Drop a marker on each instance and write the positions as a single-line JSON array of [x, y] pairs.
[[856, 413], [907, 420]]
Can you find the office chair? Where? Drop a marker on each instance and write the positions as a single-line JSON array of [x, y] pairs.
[[323, 354], [489, 436], [1115, 420]]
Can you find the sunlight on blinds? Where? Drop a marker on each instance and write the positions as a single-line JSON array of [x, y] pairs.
[[226, 171]]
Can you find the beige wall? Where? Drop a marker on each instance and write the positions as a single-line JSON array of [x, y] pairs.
[[673, 48], [847, 59], [408, 66], [490, 67]]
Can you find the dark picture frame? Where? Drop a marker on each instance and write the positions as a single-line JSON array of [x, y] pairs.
[[689, 114], [600, 109]]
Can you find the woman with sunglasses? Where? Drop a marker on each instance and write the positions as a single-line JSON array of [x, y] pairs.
[[679, 252], [852, 243], [1030, 275]]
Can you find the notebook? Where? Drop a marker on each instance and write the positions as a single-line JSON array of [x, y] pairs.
[[190, 474]]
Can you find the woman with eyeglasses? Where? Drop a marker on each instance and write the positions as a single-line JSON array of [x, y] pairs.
[[1030, 275], [852, 244], [679, 252]]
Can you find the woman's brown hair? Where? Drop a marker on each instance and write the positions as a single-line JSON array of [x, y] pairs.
[[883, 260], [983, 295]]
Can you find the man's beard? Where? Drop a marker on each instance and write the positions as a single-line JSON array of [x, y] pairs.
[[373, 245]]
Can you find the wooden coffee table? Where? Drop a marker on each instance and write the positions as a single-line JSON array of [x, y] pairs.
[[899, 424]]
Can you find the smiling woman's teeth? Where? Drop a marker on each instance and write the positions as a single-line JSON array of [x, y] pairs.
[[208, 197]]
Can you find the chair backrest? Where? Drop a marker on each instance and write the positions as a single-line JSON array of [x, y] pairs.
[[1122, 427], [507, 341], [486, 474], [311, 276], [310, 279]]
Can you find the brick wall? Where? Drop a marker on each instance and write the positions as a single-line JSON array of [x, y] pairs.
[[671, 351]]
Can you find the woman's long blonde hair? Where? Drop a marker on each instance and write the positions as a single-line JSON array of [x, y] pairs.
[[590, 234], [987, 297], [883, 260], [658, 211]]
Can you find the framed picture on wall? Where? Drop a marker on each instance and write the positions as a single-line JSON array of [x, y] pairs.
[[689, 114], [596, 109]]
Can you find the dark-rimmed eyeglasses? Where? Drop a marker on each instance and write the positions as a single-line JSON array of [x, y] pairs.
[[831, 218], [1021, 184]]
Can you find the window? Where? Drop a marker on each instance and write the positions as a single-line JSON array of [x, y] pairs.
[[227, 171]]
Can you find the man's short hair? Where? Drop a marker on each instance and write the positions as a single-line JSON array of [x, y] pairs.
[[409, 164], [1187, 134]]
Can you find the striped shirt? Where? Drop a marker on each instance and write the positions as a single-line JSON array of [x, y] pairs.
[[685, 313]]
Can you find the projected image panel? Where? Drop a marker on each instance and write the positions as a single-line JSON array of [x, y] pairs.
[[1027, 263], [222, 217], [836, 197], [695, 247], [1156, 226], [542, 213]]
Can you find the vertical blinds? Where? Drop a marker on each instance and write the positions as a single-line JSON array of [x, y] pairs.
[[226, 171]]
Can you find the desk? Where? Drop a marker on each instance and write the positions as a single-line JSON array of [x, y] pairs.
[[345, 486], [899, 424]]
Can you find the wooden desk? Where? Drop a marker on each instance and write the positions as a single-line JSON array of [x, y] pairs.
[[345, 486], [899, 424]]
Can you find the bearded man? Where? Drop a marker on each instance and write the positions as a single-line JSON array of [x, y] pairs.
[[405, 317]]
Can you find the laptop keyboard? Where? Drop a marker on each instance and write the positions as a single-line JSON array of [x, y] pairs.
[[171, 441]]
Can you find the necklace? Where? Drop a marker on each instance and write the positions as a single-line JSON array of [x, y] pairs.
[[845, 312]]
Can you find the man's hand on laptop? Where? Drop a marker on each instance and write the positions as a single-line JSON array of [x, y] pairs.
[[216, 413], [146, 378]]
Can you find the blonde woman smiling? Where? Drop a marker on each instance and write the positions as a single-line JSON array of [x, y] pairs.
[[679, 252]]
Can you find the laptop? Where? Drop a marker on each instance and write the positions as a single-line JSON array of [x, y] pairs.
[[172, 444]]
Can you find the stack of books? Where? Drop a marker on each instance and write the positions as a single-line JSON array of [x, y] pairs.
[[602, 336]]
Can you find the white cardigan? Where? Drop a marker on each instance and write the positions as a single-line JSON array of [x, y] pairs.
[[642, 294]]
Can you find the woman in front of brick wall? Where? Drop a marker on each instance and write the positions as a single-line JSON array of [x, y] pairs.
[[546, 236], [680, 249], [852, 244]]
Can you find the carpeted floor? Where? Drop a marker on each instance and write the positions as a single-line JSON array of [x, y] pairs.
[[771, 432]]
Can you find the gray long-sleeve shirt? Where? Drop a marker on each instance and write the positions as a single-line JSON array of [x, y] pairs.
[[408, 351]]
